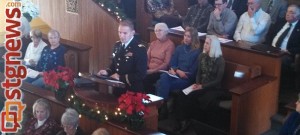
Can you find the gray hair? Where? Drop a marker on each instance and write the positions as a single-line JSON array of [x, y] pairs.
[[101, 131], [70, 117], [215, 47], [297, 10], [44, 103], [162, 26], [52, 31], [36, 33]]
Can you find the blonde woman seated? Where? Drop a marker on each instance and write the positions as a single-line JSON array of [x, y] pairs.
[[207, 87], [183, 64], [41, 124], [159, 55], [70, 123], [34, 49]]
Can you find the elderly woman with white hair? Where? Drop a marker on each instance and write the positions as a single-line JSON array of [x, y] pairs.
[[159, 55], [41, 124], [70, 123], [208, 81], [34, 49]]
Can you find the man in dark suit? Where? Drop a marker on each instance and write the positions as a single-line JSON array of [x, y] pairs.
[[288, 39], [129, 63]]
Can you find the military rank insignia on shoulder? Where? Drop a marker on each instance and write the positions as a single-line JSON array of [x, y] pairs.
[[141, 45]]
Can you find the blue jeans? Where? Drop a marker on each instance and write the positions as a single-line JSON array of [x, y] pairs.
[[38, 81], [166, 84]]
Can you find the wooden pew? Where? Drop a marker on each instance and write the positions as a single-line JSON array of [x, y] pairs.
[[236, 77], [252, 107], [77, 56]]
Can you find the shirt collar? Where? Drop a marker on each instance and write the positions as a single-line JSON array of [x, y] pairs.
[[126, 44], [294, 23]]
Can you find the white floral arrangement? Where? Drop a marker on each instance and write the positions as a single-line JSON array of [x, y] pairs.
[[30, 8]]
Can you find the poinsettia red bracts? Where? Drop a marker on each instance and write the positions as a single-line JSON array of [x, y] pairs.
[[62, 77], [133, 102]]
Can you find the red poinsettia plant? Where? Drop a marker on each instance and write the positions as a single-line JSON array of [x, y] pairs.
[[60, 78], [133, 103]]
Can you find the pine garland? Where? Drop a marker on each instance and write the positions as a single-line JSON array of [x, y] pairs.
[[98, 114], [112, 8]]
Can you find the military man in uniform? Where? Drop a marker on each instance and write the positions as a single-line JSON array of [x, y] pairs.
[[129, 63]]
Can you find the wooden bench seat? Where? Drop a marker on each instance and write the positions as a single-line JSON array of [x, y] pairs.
[[238, 80]]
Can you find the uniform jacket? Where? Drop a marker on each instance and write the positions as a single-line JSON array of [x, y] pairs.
[[130, 64]]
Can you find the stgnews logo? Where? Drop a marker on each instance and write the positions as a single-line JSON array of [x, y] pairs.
[[14, 72]]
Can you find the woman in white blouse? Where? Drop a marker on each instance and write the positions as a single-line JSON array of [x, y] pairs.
[[35, 48]]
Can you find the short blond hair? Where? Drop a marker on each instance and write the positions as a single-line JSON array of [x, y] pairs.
[[44, 103]]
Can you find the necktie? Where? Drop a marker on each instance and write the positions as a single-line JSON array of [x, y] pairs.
[[283, 35], [229, 4], [122, 47]]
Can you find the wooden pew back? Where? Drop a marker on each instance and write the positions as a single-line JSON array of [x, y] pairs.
[[77, 55], [235, 74]]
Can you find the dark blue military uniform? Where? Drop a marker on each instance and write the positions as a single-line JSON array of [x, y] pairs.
[[131, 64]]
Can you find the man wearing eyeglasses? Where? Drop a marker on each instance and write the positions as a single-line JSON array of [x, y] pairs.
[[222, 20], [253, 24]]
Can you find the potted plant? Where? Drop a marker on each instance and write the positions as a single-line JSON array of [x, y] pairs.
[[59, 81], [132, 104]]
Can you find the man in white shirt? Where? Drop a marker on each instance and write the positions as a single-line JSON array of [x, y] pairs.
[[253, 24]]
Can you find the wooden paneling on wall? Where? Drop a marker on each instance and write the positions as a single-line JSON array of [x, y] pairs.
[[92, 26]]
